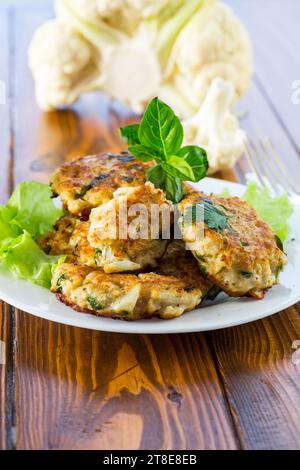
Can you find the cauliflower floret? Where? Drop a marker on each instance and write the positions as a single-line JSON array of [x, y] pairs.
[[216, 128], [142, 8], [214, 44], [60, 60], [124, 15], [88, 10]]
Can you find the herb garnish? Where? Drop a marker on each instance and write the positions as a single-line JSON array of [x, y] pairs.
[[61, 278], [94, 182], [97, 253], [246, 274], [213, 292], [94, 303], [205, 210], [159, 138], [279, 242]]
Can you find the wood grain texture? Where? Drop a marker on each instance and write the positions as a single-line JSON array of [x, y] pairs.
[[259, 121], [261, 381], [84, 389], [5, 127], [274, 31], [6, 376], [6, 312]]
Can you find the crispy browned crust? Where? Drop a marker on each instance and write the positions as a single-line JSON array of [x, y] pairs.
[[89, 181], [247, 245], [63, 299], [74, 284], [180, 263], [57, 242]]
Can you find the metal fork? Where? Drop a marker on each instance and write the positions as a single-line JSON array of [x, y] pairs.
[[268, 167]]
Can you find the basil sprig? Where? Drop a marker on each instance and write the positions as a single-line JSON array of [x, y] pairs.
[[159, 138]]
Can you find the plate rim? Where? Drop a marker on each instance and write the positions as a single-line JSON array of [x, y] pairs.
[[143, 330]]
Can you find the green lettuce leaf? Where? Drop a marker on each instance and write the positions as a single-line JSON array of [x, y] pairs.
[[29, 213], [276, 211], [24, 258], [8, 229], [33, 209]]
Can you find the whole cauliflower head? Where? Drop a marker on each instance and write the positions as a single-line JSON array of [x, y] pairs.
[[216, 128], [214, 44], [60, 60]]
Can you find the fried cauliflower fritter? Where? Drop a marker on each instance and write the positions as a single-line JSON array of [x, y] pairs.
[[57, 242], [70, 237], [167, 292], [127, 232], [242, 257], [86, 242], [90, 181]]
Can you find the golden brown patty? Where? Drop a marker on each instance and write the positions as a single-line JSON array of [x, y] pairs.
[[90, 181], [57, 242], [70, 237], [127, 243], [242, 258], [167, 292], [75, 237]]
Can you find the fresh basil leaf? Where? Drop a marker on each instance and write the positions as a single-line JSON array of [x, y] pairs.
[[173, 189], [160, 129], [144, 154], [131, 134], [196, 157], [170, 185], [178, 168], [158, 138], [157, 176]]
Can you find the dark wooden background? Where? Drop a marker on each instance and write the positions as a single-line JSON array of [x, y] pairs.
[[69, 388]]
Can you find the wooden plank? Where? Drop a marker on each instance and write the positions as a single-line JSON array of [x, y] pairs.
[[5, 100], [274, 31], [261, 380], [97, 390], [258, 121], [5, 183], [6, 376]]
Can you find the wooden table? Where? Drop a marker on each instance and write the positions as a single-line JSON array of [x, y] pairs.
[[70, 388]]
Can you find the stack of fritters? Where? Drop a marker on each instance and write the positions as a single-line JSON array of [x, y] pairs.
[[121, 229], [106, 275], [141, 278], [166, 293]]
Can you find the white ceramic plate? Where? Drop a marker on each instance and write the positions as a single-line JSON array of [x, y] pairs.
[[222, 313]]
